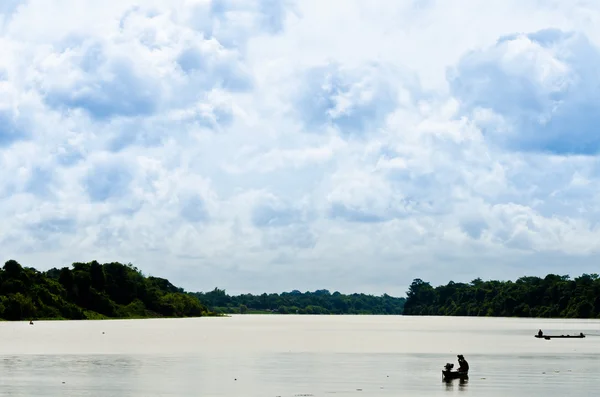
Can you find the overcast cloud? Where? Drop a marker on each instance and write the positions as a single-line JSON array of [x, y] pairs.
[[276, 145]]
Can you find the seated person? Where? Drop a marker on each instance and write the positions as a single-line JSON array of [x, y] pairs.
[[463, 365]]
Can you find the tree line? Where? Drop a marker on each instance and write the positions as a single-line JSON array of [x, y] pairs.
[[296, 302], [114, 290], [91, 291], [551, 297]]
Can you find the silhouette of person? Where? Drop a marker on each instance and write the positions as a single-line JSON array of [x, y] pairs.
[[540, 333], [463, 365]]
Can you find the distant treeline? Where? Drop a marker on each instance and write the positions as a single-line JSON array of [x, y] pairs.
[[551, 296], [90, 291], [296, 302]]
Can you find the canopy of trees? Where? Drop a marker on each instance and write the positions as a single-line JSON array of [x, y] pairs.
[[318, 302], [90, 290], [551, 296]]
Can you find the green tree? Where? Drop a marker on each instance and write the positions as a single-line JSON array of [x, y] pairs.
[[90, 290], [317, 302], [551, 296]]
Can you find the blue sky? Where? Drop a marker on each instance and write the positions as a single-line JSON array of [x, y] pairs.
[[276, 145]]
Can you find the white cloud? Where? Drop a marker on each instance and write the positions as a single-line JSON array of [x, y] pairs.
[[269, 145], [534, 92]]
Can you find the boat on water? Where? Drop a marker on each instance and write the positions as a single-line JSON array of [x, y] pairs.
[[454, 375], [541, 335], [448, 373], [548, 337]]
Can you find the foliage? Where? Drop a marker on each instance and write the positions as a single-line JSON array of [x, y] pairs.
[[317, 302], [551, 296], [90, 291]]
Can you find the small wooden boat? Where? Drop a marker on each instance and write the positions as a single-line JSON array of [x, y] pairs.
[[454, 374], [448, 374], [548, 337]]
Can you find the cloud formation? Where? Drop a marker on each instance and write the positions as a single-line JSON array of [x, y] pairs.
[[534, 92], [276, 145]]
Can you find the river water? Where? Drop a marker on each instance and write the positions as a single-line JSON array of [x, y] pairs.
[[281, 355]]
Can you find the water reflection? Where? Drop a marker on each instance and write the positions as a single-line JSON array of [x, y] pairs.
[[292, 356], [41, 375], [450, 383]]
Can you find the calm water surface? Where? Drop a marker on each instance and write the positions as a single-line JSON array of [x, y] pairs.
[[289, 356]]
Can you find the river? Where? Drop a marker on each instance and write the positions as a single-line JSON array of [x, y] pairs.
[[285, 355]]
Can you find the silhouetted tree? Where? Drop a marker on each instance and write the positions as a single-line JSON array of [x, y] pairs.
[[551, 296]]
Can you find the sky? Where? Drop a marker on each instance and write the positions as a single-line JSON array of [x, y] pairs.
[[271, 145]]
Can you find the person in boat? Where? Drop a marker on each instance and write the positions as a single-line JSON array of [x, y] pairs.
[[540, 333], [463, 365]]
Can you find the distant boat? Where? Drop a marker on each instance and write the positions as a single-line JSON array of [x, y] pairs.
[[548, 337]]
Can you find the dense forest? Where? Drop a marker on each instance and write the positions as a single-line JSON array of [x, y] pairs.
[[551, 296], [90, 291], [114, 290], [296, 302]]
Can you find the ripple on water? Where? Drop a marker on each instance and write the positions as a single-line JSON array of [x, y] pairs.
[[295, 356]]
